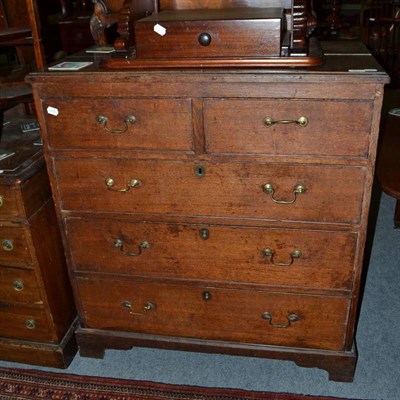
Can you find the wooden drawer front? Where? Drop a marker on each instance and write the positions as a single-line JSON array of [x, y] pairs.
[[160, 124], [216, 314], [19, 286], [20, 322], [214, 252], [333, 194], [14, 248], [256, 38], [9, 200], [337, 128]]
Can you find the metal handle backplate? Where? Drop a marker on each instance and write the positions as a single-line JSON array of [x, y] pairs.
[[292, 317], [129, 120], [293, 255], [148, 306], [302, 121], [269, 189], [133, 183], [120, 245]]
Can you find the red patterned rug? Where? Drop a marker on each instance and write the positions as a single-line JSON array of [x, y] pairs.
[[20, 384]]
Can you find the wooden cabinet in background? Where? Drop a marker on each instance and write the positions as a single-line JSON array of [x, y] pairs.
[[37, 313]]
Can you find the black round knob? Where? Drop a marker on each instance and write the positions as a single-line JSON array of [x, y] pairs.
[[204, 39]]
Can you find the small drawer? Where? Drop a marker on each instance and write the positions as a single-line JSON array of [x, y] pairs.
[[118, 123], [275, 257], [215, 314], [21, 322], [288, 127], [258, 191], [14, 248], [9, 203], [211, 33], [19, 285]]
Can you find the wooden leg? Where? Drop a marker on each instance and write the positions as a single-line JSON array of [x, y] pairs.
[[340, 368], [91, 351], [396, 218]]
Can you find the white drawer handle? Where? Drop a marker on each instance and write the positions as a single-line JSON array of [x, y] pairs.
[[129, 120], [293, 317], [293, 255], [302, 121], [269, 189]]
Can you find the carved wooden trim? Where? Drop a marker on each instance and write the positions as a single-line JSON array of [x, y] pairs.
[[304, 22], [129, 13]]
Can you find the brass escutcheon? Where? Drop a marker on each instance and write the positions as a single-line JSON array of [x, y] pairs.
[[269, 189], [1, 201], [204, 233], [302, 121], [292, 317], [207, 296], [7, 244], [18, 285], [129, 120], [293, 255], [30, 324], [200, 171]]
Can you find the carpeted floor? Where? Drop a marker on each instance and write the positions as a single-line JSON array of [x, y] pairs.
[[378, 342], [18, 384]]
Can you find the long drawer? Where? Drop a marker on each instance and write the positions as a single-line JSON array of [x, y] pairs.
[[283, 257], [215, 314], [260, 191], [14, 249], [287, 127], [120, 123], [19, 285]]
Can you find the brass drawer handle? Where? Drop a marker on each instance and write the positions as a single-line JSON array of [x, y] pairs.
[[148, 306], [269, 189], [129, 120], [18, 285], [293, 255], [130, 185], [1, 201], [293, 317], [30, 324], [7, 244], [302, 121], [120, 245]]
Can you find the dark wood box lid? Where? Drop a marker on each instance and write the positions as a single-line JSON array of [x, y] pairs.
[[214, 14]]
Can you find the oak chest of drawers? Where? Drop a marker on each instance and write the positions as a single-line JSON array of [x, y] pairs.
[[218, 210], [37, 311]]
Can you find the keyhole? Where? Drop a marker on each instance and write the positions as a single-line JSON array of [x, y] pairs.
[[200, 170]]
